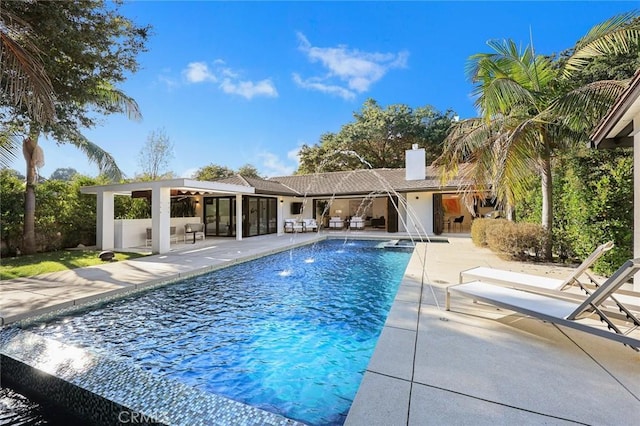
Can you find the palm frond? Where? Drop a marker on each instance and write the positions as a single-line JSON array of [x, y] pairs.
[[618, 34], [467, 144], [111, 98], [581, 109], [501, 95], [10, 146], [499, 157], [105, 161], [509, 78], [22, 74]]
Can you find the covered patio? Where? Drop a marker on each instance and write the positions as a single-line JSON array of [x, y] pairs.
[[160, 195]]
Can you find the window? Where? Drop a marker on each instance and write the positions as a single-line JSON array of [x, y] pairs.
[[296, 208]]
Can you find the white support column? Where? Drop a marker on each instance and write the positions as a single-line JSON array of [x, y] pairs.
[[104, 220], [636, 196], [238, 217], [280, 216], [160, 219]]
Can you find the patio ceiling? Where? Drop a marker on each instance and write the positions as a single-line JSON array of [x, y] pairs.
[[187, 186]]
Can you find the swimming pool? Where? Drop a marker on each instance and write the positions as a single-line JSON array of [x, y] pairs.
[[291, 333]]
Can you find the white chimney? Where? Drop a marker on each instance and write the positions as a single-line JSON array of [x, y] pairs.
[[415, 163]]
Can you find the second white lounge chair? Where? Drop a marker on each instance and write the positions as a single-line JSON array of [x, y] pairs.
[[533, 282], [559, 310]]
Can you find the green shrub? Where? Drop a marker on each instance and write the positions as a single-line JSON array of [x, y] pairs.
[[479, 229], [519, 241], [595, 200], [12, 211], [593, 204]]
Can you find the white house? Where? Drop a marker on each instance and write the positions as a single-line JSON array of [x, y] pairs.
[[410, 200]]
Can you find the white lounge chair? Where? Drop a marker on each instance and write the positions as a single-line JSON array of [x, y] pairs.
[[534, 282], [556, 309]]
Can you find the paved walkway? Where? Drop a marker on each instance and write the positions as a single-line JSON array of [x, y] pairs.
[[473, 365], [478, 365], [25, 297]]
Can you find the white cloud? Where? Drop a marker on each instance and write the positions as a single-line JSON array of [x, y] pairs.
[[168, 82], [228, 72], [315, 84], [198, 72], [272, 165], [249, 89], [356, 69], [294, 155], [229, 80], [189, 173]]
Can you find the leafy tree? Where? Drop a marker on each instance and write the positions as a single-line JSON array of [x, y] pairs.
[[63, 173], [249, 170], [87, 47], [131, 208], [377, 138], [531, 109], [155, 156], [213, 172]]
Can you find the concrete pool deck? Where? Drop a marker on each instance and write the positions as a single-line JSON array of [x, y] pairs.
[[472, 365]]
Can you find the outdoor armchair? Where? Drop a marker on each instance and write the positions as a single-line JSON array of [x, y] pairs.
[[196, 230]]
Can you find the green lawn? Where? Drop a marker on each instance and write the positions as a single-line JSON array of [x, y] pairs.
[[40, 263]]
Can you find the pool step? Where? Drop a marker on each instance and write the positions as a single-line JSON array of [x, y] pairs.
[[389, 243]]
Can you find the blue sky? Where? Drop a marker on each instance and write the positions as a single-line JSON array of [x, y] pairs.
[[233, 83]]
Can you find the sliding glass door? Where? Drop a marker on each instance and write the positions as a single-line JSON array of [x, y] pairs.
[[259, 214], [220, 216]]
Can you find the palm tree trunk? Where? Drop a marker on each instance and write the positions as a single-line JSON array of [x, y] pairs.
[[547, 205], [29, 231], [32, 156]]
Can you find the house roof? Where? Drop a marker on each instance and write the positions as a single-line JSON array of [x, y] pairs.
[[262, 186], [355, 182], [616, 128], [363, 181]]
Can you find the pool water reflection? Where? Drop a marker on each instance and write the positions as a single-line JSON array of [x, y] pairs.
[[290, 333]]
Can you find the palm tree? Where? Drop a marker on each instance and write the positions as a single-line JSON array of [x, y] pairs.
[[108, 97], [529, 111], [105, 96], [59, 91]]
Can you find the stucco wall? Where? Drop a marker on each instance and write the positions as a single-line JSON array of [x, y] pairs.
[[133, 232]]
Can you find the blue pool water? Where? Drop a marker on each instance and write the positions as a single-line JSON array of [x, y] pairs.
[[291, 333]]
